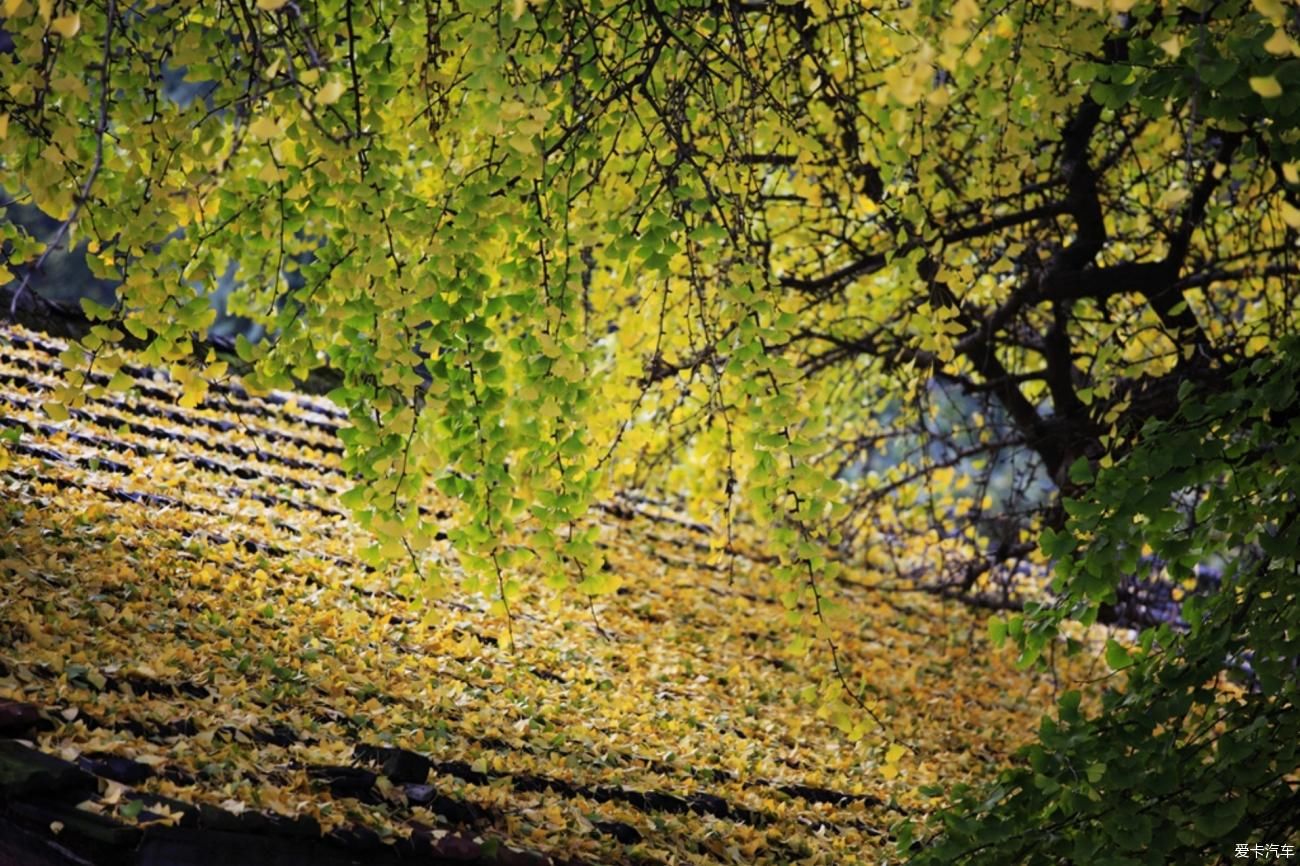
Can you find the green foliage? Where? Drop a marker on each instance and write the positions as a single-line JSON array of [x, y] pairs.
[[1235, 61], [1199, 749]]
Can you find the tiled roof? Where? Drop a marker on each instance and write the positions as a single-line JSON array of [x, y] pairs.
[[196, 668]]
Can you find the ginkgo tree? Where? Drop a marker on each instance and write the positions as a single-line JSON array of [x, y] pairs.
[[884, 278]]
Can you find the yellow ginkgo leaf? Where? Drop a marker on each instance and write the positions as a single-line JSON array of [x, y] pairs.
[[264, 128], [271, 5], [1291, 215], [330, 93], [66, 26], [120, 382], [1273, 10], [1266, 86], [270, 173], [1173, 197], [1279, 43], [11, 7]]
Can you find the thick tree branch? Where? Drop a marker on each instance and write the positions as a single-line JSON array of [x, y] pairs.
[[824, 286]]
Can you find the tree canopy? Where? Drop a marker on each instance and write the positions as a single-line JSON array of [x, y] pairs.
[[887, 279]]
